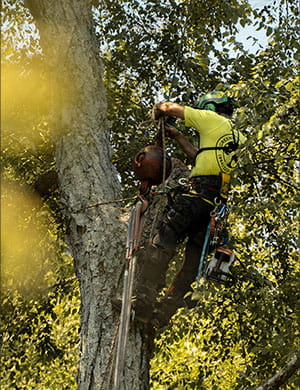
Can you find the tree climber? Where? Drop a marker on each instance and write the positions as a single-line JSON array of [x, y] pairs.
[[189, 213]]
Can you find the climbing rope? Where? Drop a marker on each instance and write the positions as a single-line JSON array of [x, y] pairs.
[[152, 193], [163, 136], [133, 236], [179, 51], [106, 203], [161, 129], [109, 364], [161, 121], [116, 356]]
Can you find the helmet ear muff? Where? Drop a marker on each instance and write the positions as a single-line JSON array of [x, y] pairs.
[[226, 108], [210, 107]]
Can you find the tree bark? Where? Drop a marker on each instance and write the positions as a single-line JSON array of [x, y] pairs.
[[283, 375], [96, 236]]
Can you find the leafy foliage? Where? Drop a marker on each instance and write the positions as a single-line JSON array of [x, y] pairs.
[[19, 35], [226, 342], [39, 345]]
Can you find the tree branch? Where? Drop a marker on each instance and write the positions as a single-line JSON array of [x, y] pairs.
[[296, 158], [283, 375], [278, 177]]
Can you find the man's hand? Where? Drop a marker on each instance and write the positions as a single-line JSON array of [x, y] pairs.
[[171, 131], [157, 112], [189, 149], [169, 109]]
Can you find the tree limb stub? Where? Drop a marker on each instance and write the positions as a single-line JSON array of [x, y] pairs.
[[283, 375]]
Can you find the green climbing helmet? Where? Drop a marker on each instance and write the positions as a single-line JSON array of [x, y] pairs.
[[216, 101]]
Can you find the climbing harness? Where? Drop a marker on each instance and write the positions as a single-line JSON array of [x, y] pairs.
[[133, 236]]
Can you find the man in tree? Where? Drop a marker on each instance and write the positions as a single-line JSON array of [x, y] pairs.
[[189, 214]]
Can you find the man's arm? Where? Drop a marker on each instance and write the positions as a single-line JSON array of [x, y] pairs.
[[168, 108], [189, 149]]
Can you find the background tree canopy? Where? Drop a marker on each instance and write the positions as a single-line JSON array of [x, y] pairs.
[[235, 338]]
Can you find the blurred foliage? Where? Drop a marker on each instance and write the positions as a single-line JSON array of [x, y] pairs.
[[39, 306], [39, 338], [235, 338], [30, 248]]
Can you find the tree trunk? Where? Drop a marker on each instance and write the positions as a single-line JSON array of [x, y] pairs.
[[96, 236]]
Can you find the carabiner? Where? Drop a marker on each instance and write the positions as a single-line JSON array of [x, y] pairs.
[[183, 181], [217, 201]]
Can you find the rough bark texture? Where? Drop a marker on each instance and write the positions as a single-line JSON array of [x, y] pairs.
[[96, 236]]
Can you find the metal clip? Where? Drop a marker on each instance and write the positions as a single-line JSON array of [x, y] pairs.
[[217, 201], [183, 181]]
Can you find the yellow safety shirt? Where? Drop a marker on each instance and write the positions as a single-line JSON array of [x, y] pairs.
[[215, 131]]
